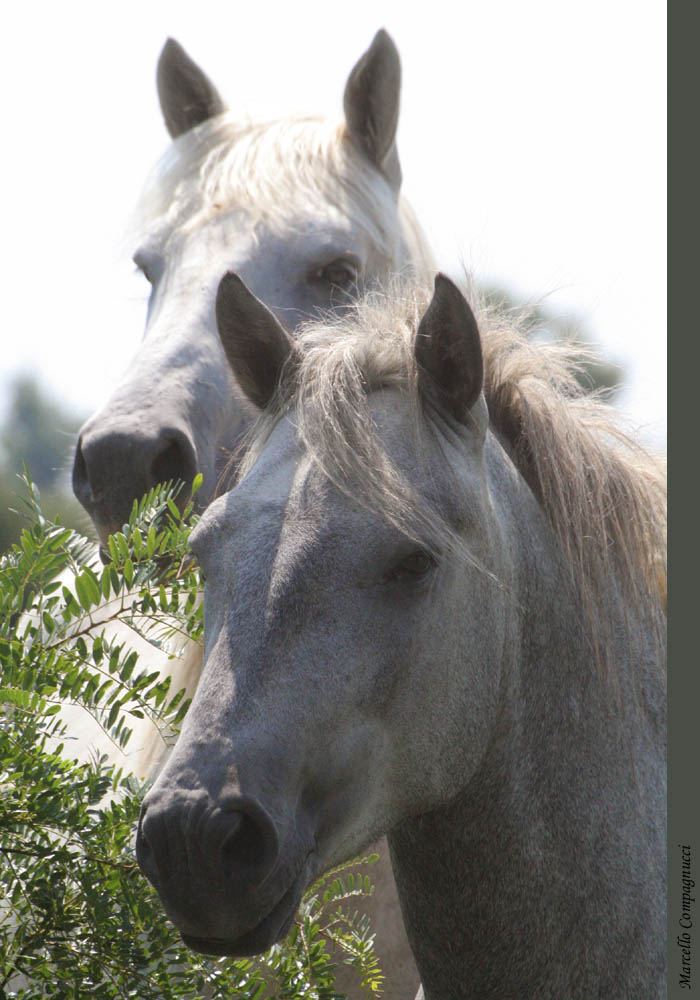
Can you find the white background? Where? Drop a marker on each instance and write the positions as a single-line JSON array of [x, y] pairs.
[[532, 139]]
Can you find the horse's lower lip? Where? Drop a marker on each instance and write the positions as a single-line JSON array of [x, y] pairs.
[[267, 932]]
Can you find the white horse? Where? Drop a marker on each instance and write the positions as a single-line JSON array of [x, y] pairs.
[[310, 212], [433, 611]]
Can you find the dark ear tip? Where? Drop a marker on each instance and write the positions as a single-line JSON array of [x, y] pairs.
[[170, 49], [172, 56], [383, 38], [231, 279], [446, 285], [383, 47], [448, 291], [231, 288]]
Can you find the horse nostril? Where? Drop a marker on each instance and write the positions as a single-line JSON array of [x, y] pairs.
[[250, 846], [243, 845], [81, 482], [145, 855], [237, 842], [176, 461]]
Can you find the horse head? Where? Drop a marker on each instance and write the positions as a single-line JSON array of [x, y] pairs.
[[330, 596], [308, 212]]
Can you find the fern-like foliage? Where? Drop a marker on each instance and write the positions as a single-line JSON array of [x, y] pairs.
[[77, 919]]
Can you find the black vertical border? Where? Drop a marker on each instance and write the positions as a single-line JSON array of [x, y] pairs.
[[684, 482]]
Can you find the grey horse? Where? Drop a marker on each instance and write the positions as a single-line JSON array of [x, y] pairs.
[[310, 212], [434, 610]]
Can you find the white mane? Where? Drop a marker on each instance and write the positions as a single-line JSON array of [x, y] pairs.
[[268, 168]]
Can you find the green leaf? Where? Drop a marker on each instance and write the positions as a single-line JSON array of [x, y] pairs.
[[27, 542], [72, 608], [113, 550], [97, 649], [92, 584], [87, 589], [122, 546], [137, 543], [151, 541], [128, 666]]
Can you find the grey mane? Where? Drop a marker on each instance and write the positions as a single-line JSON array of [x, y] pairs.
[[603, 494]]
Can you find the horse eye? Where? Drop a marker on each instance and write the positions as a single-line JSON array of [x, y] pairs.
[[339, 274], [413, 567]]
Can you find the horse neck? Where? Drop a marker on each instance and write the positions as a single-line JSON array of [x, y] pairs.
[[545, 876]]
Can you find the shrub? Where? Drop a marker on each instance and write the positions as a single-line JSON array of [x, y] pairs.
[[77, 919]]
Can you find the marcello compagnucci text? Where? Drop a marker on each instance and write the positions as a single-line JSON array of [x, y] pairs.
[[685, 920]]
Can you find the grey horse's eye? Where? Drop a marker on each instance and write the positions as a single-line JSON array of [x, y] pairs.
[[415, 566]]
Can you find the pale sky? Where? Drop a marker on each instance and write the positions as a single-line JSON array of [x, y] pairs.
[[532, 141]]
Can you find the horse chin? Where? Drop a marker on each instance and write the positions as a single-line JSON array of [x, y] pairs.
[[270, 930]]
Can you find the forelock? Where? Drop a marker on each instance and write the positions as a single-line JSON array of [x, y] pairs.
[[267, 169]]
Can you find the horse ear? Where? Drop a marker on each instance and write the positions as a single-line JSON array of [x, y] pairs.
[[256, 345], [187, 95], [448, 350], [371, 104]]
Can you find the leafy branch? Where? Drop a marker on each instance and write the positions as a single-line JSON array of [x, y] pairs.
[[76, 918]]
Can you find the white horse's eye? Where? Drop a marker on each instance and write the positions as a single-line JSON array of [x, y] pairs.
[[339, 273]]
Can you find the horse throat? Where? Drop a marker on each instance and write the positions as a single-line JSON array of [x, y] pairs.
[[545, 876]]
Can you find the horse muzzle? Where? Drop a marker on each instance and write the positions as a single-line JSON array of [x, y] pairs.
[[219, 870], [114, 467]]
